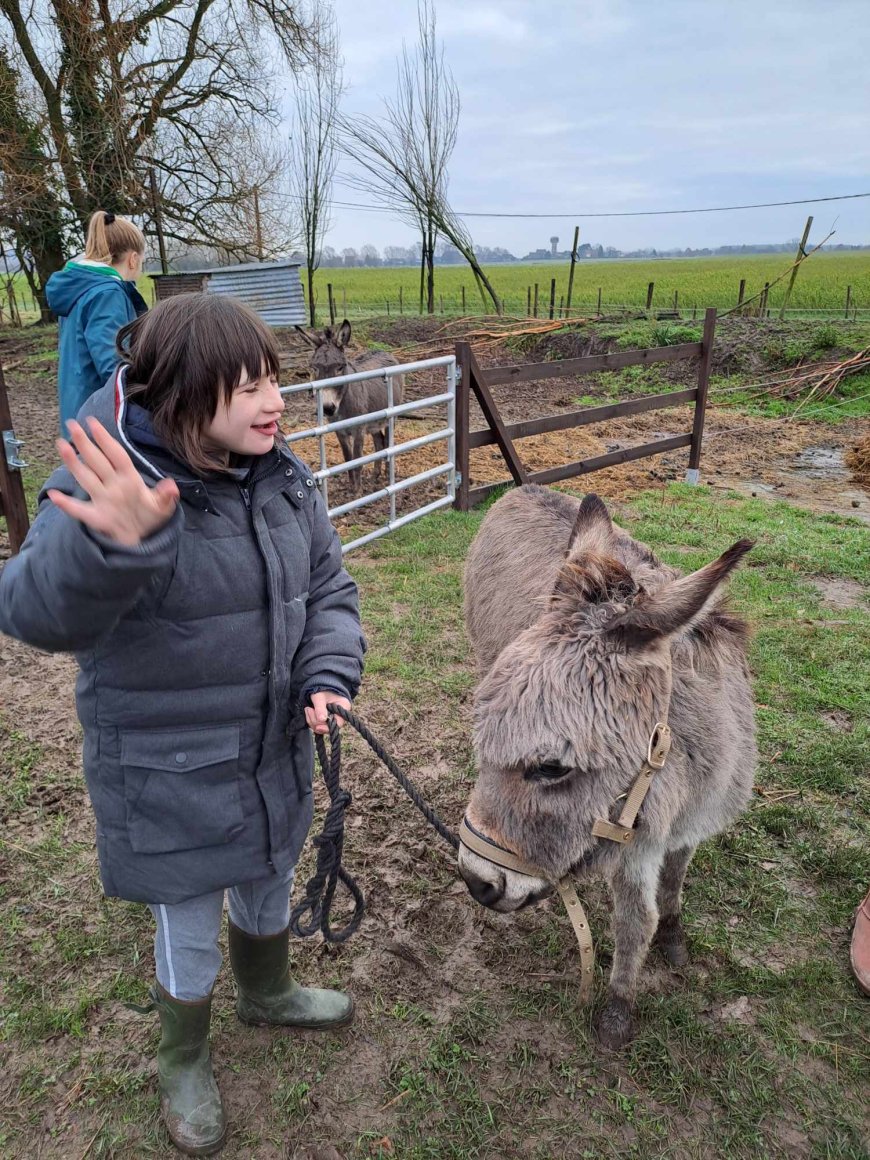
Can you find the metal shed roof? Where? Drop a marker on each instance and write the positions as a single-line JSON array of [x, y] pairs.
[[272, 289]]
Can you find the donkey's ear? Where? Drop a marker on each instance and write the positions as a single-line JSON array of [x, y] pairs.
[[678, 605], [592, 529], [343, 337]]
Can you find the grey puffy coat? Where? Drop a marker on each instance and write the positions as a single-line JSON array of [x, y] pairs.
[[196, 651]]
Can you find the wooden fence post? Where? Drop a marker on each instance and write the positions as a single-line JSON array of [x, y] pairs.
[[693, 473], [343, 302], [801, 254], [13, 502], [401, 303], [676, 300], [740, 293], [649, 294], [848, 300], [535, 306], [552, 297], [331, 303], [762, 310], [529, 302], [463, 301], [562, 313], [463, 395], [598, 308], [573, 264]]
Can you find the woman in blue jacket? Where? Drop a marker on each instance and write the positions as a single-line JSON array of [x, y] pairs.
[[94, 296]]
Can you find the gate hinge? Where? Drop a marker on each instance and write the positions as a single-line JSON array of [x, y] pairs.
[[11, 447]]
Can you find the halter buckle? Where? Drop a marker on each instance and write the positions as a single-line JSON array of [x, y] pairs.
[[659, 746]]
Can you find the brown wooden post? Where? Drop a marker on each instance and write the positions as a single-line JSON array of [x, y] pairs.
[[562, 313], [13, 502], [331, 303], [676, 300], [529, 302], [535, 306], [463, 396], [441, 300], [763, 307], [158, 221], [740, 293], [401, 304], [573, 264], [258, 225], [649, 294], [552, 297], [388, 307], [801, 254], [343, 302], [463, 301], [692, 475], [848, 300], [598, 308]]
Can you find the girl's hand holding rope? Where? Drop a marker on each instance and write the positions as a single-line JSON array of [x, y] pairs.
[[317, 715]]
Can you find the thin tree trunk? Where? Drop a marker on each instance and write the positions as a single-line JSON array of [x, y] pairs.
[[311, 317]]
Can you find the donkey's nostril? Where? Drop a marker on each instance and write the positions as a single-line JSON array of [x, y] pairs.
[[486, 893], [328, 409]]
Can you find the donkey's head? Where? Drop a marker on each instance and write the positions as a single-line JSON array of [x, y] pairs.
[[329, 360], [563, 718]]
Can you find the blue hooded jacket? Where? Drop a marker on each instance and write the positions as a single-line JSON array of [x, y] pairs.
[[93, 303]]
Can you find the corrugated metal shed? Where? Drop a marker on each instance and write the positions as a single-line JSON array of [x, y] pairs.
[[272, 289], [168, 285]]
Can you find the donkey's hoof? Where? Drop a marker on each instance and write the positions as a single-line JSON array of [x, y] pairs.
[[615, 1025], [671, 942]]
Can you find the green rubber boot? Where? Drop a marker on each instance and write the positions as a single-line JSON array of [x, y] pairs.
[[189, 1099], [267, 993]]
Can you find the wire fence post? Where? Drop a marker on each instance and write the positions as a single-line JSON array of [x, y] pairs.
[[649, 295], [528, 302], [552, 297], [799, 257], [535, 305], [331, 303], [463, 300], [740, 294], [848, 300], [401, 304], [598, 307]]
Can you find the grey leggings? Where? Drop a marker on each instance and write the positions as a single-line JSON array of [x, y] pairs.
[[186, 943]]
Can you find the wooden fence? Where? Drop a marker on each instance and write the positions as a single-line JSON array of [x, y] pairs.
[[479, 382], [13, 504]]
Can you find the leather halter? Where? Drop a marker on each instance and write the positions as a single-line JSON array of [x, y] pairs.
[[622, 832]]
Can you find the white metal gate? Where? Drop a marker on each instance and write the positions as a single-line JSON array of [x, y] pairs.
[[391, 412]]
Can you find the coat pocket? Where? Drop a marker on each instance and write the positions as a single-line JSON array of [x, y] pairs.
[[181, 788]]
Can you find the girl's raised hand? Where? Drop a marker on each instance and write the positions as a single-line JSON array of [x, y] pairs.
[[122, 507]]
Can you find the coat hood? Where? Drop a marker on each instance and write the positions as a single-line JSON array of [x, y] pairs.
[[65, 287]]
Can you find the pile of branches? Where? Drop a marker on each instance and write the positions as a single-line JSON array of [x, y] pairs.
[[858, 460], [822, 382]]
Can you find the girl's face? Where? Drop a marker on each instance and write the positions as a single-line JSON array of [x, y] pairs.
[[249, 423]]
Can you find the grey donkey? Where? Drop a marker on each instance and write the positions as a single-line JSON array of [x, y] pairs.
[[584, 641], [329, 360]]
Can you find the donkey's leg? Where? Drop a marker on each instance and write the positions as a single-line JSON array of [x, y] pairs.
[[379, 439], [346, 449], [635, 915], [669, 936], [356, 452]]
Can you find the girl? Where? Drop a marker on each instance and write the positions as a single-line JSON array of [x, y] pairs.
[[185, 556], [94, 296]]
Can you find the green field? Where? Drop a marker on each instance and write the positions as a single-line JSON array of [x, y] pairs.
[[700, 282]]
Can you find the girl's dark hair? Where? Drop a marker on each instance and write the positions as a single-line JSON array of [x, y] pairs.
[[186, 357]]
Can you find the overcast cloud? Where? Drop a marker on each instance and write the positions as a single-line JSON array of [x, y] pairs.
[[626, 105]]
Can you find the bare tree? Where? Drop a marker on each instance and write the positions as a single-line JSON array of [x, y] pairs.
[[114, 87], [403, 156], [314, 146]]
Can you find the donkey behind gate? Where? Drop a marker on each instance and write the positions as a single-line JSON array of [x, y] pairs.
[[350, 400], [584, 642]]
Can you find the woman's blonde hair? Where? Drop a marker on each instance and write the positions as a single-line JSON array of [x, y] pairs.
[[110, 237]]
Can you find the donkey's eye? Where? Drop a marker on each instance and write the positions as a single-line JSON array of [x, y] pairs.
[[546, 771]]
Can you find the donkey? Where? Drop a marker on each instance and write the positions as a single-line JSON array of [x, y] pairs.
[[584, 642], [350, 400]]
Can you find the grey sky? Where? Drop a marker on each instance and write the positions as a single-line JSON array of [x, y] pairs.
[[618, 105]]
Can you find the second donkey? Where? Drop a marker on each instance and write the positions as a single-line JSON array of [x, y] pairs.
[[350, 400]]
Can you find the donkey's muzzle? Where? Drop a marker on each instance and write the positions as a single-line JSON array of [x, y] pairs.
[[329, 409], [486, 893]]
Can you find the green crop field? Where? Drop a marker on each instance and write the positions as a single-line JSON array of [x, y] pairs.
[[699, 282]]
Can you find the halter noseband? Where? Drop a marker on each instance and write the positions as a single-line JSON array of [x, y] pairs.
[[622, 832]]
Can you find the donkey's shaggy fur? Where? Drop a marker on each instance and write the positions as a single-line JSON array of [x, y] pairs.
[[584, 640]]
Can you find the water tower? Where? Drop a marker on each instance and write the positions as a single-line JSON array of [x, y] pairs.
[[554, 242]]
